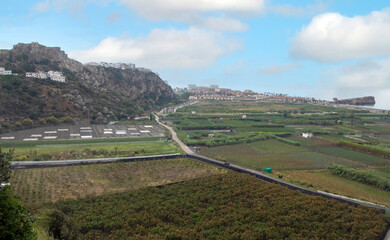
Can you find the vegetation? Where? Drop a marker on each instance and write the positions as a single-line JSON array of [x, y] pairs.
[[377, 151], [15, 220], [229, 206], [95, 150], [352, 138], [36, 187], [276, 155], [360, 176], [322, 179]]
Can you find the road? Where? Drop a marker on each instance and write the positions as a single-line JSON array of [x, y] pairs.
[[185, 148], [57, 163]]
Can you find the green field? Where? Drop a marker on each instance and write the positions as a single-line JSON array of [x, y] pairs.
[[38, 186], [325, 181], [226, 206], [354, 156], [90, 149], [276, 155], [272, 146], [256, 107]]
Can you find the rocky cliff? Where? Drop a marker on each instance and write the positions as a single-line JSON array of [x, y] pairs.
[[95, 92], [368, 101]]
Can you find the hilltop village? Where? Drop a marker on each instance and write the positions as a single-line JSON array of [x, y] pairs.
[[214, 92]]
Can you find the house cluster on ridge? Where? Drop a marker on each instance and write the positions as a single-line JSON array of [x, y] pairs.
[[53, 75]]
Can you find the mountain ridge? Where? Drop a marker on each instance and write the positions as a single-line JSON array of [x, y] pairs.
[[97, 93]]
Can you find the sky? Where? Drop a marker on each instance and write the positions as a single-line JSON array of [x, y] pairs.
[[319, 48]]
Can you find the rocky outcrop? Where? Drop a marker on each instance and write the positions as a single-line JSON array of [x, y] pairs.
[[89, 91], [364, 101]]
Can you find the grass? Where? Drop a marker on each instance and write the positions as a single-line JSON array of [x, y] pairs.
[[255, 107], [41, 185], [272, 146], [99, 149], [325, 181], [354, 156]]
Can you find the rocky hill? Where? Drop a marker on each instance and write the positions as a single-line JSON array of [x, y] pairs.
[[90, 92], [368, 101]]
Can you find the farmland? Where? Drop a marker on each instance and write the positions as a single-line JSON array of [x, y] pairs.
[[82, 150], [42, 185], [259, 135], [227, 206]]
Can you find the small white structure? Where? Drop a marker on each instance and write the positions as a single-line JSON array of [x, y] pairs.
[[5, 72], [244, 116], [4, 185], [307, 135]]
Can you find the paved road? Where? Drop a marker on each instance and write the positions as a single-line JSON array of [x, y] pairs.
[[185, 148]]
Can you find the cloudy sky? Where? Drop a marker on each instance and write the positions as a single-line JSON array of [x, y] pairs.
[[317, 48]]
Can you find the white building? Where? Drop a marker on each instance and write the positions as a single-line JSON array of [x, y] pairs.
[[56, 76], [307, 135], [39, 74], [5, 72]]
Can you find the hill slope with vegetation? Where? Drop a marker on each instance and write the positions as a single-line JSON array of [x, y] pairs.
[[90, 92]]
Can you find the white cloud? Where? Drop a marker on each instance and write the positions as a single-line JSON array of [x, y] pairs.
[[294, 11], [333, 37], [157, 9], [368, 78], [162, 49], [211, 14], [277, 69], [75, 7], [113, 17], [221, 24]]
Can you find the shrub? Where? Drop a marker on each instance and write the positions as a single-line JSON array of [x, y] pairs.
[[27, 122], [360, 176]]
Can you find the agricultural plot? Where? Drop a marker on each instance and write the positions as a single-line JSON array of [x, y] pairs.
[[254, 107], [325, 181], [276, 155], [42, 185], [74, 132], [227, 206], [354, 156], [94, 150]]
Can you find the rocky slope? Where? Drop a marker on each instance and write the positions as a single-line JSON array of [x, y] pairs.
[[368, 101], [98, 93]]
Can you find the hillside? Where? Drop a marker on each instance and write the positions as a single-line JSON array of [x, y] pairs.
[[90, 92], [370, 101]]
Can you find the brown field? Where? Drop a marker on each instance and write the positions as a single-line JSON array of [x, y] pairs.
[[41, 185]]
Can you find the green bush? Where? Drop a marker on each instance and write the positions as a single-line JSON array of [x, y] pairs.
[[373, 150], [360, 176]]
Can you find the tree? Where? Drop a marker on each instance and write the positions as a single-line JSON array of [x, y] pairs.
[[27, 122], [15, 221], [5, 164]]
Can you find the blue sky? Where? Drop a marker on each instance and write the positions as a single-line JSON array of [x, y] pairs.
[[321, 49]]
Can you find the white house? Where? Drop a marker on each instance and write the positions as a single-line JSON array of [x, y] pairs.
[[307, 135], [56, 76], [5, 72], [39, 74]]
